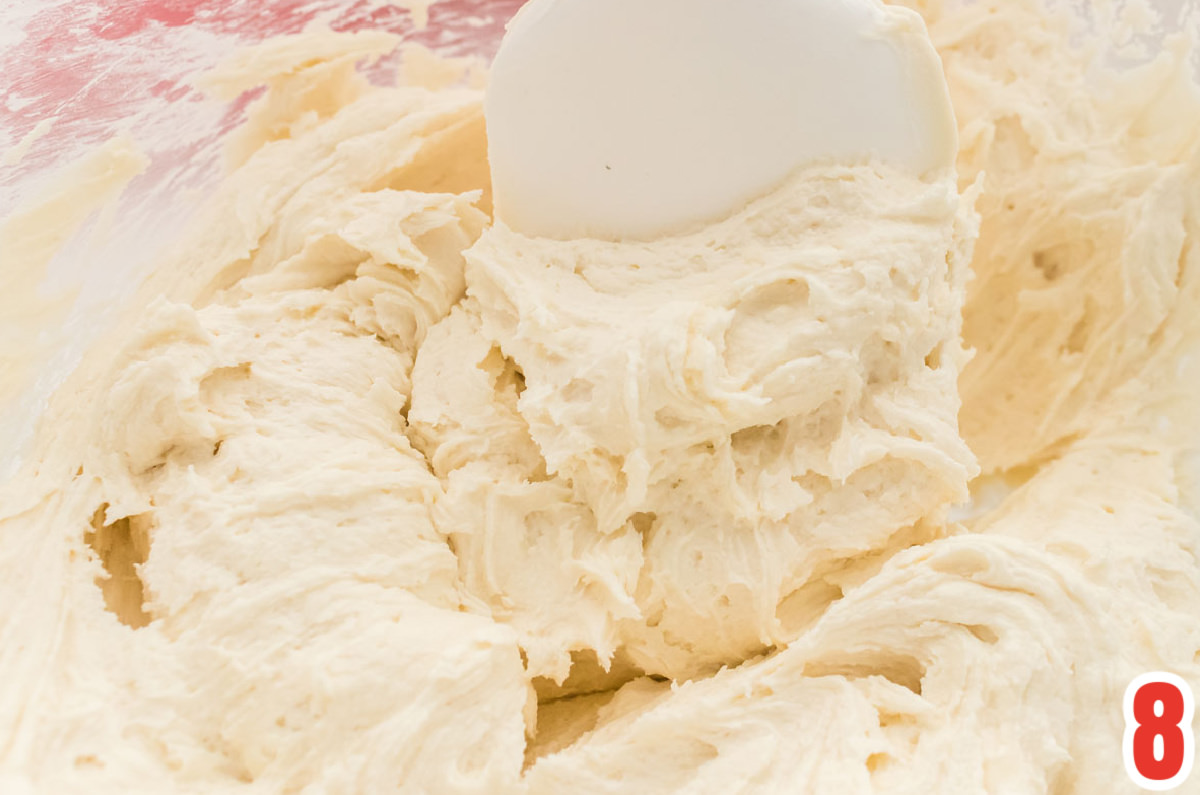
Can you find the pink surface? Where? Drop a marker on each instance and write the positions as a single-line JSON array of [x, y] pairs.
[[92, 65]]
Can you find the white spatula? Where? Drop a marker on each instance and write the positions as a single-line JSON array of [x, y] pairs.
[[627, 119]]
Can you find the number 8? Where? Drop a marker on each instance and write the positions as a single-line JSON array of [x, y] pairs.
[[1159, 747]]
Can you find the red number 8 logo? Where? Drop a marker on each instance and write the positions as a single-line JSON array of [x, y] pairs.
[[1159, 747]]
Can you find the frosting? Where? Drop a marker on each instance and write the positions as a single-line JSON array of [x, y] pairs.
[[375, 493]]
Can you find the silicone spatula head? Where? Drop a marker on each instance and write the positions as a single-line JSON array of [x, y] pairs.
[[628, 119]]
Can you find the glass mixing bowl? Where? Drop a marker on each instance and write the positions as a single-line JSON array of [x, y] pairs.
[[74, 74]]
